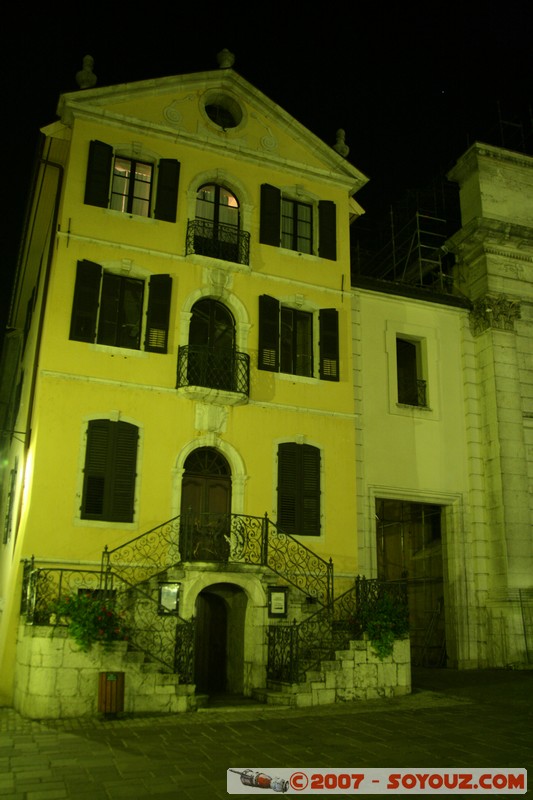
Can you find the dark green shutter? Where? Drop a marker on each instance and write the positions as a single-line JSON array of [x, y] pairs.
[[299, 489], [270, 217], [327, 230], [268, 333], [110, 471], [167, 190], [288, 487], [98, 174], [310, 492], [85, 303], [122, 495], [97, 465], [158, 314], [329, 344]]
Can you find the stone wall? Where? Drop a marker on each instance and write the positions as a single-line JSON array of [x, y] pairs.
[[54, 679]]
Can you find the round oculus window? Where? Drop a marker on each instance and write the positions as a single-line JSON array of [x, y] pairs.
[[223, 111]]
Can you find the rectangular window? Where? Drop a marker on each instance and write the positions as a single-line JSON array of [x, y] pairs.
[[125, 184], [299, 489], [296, 226], [411, 385], [108, 309], [131, 186], [110, 471], [286, 340], [120, 316], [296, 342]]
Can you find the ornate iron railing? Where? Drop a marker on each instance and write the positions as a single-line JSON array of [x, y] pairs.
[[213, 368], [217, 240], [295, 649], [42, 587], [166, 639], [222, 538]]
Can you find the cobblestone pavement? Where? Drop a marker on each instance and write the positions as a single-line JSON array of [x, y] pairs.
[[452, 719]]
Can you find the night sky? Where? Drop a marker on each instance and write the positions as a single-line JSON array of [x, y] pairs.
[[413, 85]]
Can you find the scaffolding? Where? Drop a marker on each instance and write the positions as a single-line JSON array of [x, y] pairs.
[[408, 247]]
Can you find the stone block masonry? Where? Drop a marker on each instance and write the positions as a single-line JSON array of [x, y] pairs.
[[54, 679]]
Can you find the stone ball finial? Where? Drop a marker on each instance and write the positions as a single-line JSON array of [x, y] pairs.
[[225, 59], [86, 78], [340, 145]]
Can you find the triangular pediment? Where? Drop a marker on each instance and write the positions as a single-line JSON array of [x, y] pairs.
[[216, 109]]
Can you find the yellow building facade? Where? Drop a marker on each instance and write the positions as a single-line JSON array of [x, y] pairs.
[[180, 362]]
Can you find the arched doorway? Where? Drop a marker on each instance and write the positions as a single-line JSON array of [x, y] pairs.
[[219, 645], [205, 506]]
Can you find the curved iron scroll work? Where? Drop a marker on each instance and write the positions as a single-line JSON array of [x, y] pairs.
[[226, 242], [147, 555], [43, 587], [298, 564], [222, 538], [294, 649]]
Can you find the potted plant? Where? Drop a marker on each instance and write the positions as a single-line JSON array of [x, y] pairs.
[[383, 620], [91, 620]]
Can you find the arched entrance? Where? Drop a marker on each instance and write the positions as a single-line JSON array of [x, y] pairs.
[[219, 645], [205, 506]]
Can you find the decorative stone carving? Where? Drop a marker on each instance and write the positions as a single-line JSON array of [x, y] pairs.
[[86, 78], [225, 59], [210, 418], [340, 145], [493, 311], [172, 114]]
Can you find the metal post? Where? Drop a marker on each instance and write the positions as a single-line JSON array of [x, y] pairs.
[[330, 582], [264, 542]]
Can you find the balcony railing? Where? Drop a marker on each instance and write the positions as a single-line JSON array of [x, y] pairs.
[[226, 242], [213, 368]]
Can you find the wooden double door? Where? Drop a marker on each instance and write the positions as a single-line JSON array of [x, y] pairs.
[[206, 506]]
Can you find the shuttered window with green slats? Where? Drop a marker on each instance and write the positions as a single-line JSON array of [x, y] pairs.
[[110, 471], [299, 489], [108, 309]]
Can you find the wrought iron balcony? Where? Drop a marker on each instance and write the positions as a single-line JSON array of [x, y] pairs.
[[213, 368], [226, 242]]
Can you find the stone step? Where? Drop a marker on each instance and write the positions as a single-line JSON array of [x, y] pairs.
[[273, 698]]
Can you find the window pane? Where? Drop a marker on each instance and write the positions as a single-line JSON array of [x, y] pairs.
[[131, 313], [132, 183], [296, 225], [304, 228], [296, 342], [120, 311], [304, 344], [140, 207]]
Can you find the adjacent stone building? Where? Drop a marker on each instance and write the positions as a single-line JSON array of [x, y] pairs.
[[443, 355]]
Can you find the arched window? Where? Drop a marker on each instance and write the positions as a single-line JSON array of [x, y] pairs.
[[217, 223], [211, 345]]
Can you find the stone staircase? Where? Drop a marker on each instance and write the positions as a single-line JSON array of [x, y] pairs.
[[354, 674]]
